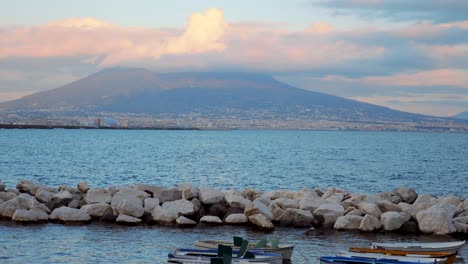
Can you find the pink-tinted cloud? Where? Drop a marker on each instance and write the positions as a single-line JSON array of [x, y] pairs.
[[89, 36], [246, 44], [440, 77]]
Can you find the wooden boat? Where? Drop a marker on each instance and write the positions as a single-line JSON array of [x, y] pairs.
[[391, 257], [427, 247], [451, 256], [285, 250], [205, 255], [361, 260]]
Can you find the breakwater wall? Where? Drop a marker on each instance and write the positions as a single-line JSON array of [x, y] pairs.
[[186, 205]]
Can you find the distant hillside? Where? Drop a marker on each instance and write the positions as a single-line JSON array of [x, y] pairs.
[[462, 115], [243, 96]]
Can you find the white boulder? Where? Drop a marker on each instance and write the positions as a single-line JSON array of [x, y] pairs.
[[393, 220], [208, 195], [67, 214]]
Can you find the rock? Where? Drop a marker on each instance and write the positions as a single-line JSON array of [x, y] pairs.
[[69, 189], [237, 201], [74, 204], [112, 189], [21, 202], [311, 203], [234, 192], [276, 211], [1, 201], [390, 197], [188, 191], [217, 209], [168, 195], [184, 221], [370, 223], [132, 207], [82, 187], [393, 220], [150, 204], [258, 207], [348, 222], [461, 227], [251, 194], [262, 222], [305, 192], [97, 210], [127, 219], [328, 213], [63, 197], [422, 202], [24, 186], [264, 199], [13, 191], [43, 196], [152, 190], [451, 199], [2, 186], [437, 219], [353, 211], [162, 216], [285, 194], [29, 216], [463, 219], [209, 195], [210, 219], [179, 207], [297, 217], [129, 201], [385, 206], [98, 195], [333, 196], [6, 196], [287, 203], [406, 194], [233, 210], [67, 214], [196, 204], [236, 219], [370, 208]]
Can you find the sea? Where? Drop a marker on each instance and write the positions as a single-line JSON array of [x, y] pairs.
[[364, 162]]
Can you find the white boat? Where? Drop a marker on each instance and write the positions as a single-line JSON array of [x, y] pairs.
[[392, 257], [284, 249], [417, 246], [204, 256]]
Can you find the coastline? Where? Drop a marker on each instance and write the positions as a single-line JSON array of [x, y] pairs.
[[401, 210]]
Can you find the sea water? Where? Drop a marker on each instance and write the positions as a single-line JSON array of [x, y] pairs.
[[365, 162]]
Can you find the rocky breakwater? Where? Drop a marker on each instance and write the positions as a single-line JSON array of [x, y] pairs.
[[186, 205]]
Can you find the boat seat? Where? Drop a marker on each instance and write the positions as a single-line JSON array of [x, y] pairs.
[[261, 244]]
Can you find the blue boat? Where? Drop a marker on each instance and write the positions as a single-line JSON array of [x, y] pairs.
[[364, 260]]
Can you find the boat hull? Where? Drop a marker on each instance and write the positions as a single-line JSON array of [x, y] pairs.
[[359, 260], [285, 250], [429, 247], [202, 255], [411, 259]]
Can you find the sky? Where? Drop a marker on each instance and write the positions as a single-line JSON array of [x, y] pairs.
[[409, 55]]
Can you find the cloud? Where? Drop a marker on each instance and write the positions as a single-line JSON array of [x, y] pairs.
[[89, 36], [420, 58], [414, 10]]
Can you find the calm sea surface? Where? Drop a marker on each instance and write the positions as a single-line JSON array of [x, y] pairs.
[[366, 162]]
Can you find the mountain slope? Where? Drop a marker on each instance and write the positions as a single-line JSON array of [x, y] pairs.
[[462, 115], [214, 95]]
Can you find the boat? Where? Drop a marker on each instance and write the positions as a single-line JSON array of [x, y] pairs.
[[410, 259], [364, 260], [417, 246], [451, 256], [284, 249], [205, 255]]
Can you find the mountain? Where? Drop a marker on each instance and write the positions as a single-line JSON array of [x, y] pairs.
[[246, 97], [462, 115]]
